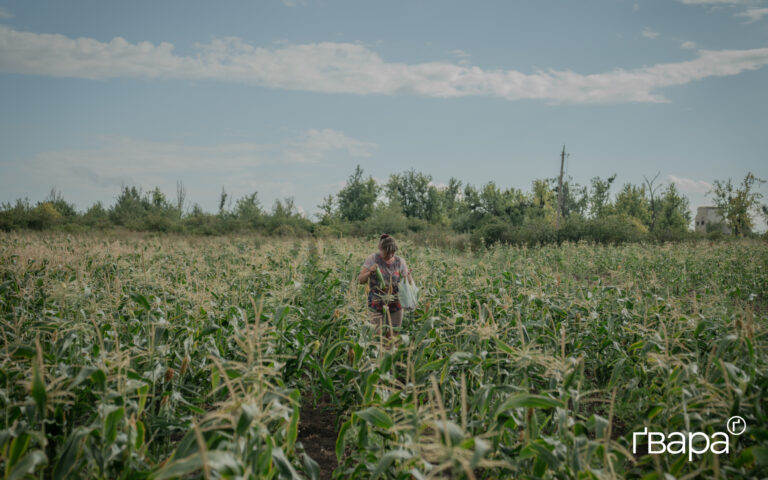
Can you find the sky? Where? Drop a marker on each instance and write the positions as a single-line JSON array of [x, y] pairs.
[[285, 98]]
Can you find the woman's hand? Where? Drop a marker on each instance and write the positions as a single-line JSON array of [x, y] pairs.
[[365, 273]]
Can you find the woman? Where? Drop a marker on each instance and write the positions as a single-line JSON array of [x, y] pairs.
[[392, 268]]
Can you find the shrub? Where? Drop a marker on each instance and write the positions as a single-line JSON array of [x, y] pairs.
[[493, 231], [16, 216], [387, 219], [44, 216], [615, 229]]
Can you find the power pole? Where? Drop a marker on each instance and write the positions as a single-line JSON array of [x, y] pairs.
[[560, 188]]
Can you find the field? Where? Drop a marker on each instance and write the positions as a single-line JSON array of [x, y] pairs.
[[187, 357]]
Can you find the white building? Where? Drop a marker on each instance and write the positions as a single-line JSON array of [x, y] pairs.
[[709, 216]]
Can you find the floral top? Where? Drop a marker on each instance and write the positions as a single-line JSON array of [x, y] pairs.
[[391, 273]]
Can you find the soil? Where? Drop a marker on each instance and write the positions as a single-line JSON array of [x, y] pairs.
[[317, 433]]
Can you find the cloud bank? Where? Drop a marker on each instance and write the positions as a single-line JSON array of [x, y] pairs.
[[753, 14], [688, 185], [351, 68], [114, 158]]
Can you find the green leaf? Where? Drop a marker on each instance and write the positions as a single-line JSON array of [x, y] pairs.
[[538, 449], [244, 422], [99, 378], [38, 391], [24, 351], [178, 468], [111, 424], [28, 465], [18, 448], [283, 464], [293, 428], [653, 411], [143, 391], [340, 439], [141, 300], [311, 467], [755, 454], [376, 417], [140, 433], [454, 431], [481, 449], [69, 459], [522, 400], [386, 460]]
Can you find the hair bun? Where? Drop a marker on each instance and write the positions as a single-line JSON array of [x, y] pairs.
[[383, 235]]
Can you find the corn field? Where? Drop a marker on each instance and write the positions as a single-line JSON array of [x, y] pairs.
[[141, 357]]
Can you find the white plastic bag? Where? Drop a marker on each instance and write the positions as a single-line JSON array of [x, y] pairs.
[[409, 294]]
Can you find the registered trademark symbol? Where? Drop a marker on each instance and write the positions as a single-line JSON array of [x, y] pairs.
[[736, 425]]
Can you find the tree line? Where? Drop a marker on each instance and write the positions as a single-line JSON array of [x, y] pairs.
[[410, 202]]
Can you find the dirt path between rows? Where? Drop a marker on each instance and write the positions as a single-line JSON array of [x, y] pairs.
[[317, 432]]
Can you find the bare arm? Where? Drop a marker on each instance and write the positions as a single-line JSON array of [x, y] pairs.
[[365, 273], [408, 271]]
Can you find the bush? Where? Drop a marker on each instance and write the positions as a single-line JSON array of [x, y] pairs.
[[440, 237], [387, 219], [671, 235], [574, 229], [539, 232], [16, 216], [96, 217], [44, 216], [615, 229], [493, 231]]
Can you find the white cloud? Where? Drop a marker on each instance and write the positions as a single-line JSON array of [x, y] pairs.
[[351, 68], [462, 56], [5, 14], [688, 44], [714, 2], [648, 33], [754, 14], [460, 53], [688, 185], [316, 144], [115, 160]]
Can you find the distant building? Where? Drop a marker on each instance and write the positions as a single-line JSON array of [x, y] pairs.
[[706, 216]]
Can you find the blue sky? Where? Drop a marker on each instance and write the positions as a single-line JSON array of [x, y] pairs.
[[285, 98]]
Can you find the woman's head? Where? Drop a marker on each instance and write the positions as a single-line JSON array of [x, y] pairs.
[[387, 245]]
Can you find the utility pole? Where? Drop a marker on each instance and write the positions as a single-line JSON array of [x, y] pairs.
[[560, 188]]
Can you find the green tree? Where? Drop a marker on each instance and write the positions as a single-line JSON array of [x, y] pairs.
[[65, 209], [543, 203], [357, 198], [416, 195], [96, 216], [327, 211], [599, 196], [632, 201], [131, 206], [737, 203], [674, 211], [509, 205], [248, 209], [575, 196], [451, 198], [223, 196]]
